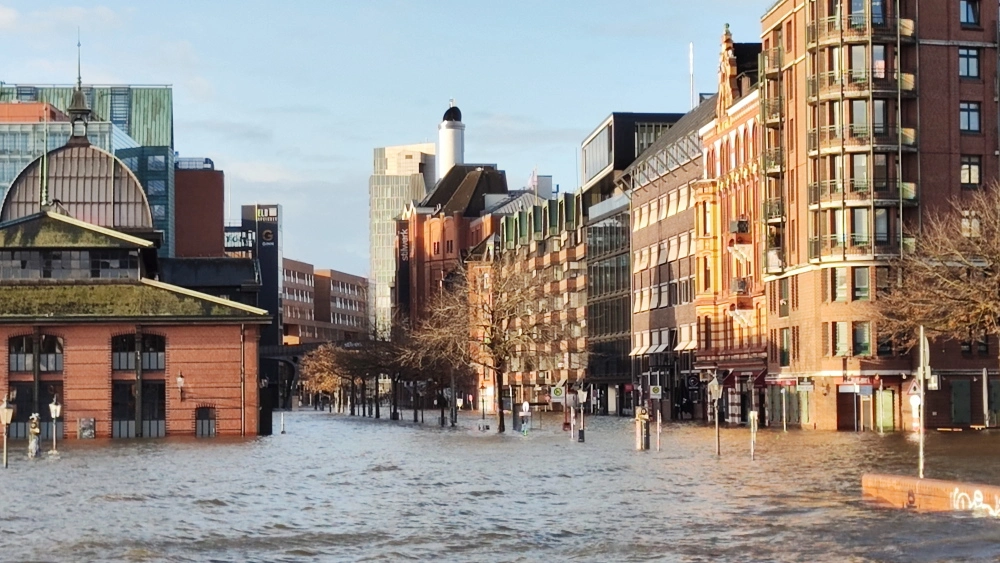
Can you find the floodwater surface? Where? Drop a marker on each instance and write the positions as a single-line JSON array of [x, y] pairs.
[[337, 488]]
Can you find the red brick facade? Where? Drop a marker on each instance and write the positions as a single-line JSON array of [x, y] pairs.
[[219, 368]]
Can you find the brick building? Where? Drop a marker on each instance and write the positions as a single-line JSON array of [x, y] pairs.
[[874, 114], [732, 329], [84, 318], [199, 200]]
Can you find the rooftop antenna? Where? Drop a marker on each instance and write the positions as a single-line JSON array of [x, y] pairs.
[[79, 79], [691, 70]]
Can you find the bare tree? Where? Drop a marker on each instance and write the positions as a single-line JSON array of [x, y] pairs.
[[485, 315], [947, 278]]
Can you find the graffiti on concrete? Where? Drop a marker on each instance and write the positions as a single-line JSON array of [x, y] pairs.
[[962, 501]]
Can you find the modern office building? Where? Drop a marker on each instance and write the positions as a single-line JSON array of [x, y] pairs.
[[402, 174], [28, 130], [607, 151], [154, 167], [875, 114]]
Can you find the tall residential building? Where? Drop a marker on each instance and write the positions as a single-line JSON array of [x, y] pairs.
[[875, 115], [401, 175]]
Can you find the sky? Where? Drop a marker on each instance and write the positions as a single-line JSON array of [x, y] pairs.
[[290, 98]]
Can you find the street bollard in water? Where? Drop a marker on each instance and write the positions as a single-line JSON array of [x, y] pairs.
[[282, 423]]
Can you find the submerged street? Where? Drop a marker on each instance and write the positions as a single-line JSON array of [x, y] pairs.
[[336, 488]]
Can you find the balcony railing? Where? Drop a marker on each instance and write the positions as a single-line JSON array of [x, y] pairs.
[[836, 136], [772, 109], [851, 189], [861, 82], [773, 160], [770, 61], [857, 244], [858, 27], [774, 208]]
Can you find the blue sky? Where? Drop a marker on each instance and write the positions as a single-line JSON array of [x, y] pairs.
[[290, 97]]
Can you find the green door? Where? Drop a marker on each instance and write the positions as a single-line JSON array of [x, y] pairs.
[[884, 415], [961, 402]]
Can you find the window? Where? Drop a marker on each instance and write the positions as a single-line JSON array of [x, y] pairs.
[[784, 351], [968, 63], [970, 174], [838, 284], [123, 352], [156, 162], [159, 211], [968, 12], [437, 248], [840, 336], [861, 284], [204, 422], [882, 283], [156, 187], [862, 339], [450, 245], [968, 117], [20, 353], [154, 348]]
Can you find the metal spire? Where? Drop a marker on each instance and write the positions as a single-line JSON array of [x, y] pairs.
[[79, 79]]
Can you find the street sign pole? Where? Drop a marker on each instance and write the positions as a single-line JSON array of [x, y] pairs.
[[922, 371]]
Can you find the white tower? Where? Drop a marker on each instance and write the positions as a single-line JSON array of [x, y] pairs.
[[451, 140]]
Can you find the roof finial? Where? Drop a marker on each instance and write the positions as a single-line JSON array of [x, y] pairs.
[[79, 78], [451, 103]]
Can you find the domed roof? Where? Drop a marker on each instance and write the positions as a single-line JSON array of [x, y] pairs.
[[453, 114], [88, 183]]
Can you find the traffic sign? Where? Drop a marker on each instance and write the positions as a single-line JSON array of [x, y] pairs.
[[655, 392], [558, 394], [913, 388]]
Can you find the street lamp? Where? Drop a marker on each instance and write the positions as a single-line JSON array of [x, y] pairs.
[[581, 394], [482, 399], [715, 392], [180, 384], [55, 409], [6, 414]]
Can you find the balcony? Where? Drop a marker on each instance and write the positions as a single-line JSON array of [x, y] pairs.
[[887, 137], [883, 191], [856, 245], [739, 286], [774, 210], [773, 261], [770, 62], [773, 161], [854, 28], [772, 110], [862, 82]]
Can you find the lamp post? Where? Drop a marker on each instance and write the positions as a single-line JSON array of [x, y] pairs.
[[715, 392], [582, 396], [55, 409], [6, 414], [482, 399], [180, 384]]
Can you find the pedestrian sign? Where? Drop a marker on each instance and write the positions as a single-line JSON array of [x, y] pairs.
[[558, 394], [655, 392]]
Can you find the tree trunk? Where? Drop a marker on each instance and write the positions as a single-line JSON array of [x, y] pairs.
[[353, 397], [499, 392]]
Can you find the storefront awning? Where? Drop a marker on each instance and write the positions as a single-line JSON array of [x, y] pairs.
[[562, 382], [757, 376], [659, 349], [682, 345], [635, 351]]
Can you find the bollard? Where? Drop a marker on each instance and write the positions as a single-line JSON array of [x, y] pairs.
[[659, 428], [282, 423], [572, 424], [580, 437]]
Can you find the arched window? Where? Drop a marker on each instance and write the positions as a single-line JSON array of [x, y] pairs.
[[20, 354], [154, 352], [123, 354], [204, 422], [50, 353]]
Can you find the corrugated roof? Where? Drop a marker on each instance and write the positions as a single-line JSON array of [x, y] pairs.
[[90, 184]]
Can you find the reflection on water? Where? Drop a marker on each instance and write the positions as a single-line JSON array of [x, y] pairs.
[[342, 489]]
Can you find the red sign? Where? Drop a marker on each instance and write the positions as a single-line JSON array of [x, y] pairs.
[[628, 387]]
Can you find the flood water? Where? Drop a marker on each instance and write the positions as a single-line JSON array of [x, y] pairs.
[[336, 488]]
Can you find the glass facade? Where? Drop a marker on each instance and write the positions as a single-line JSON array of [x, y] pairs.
[[598, 153], [400, 176], [154, 167], [22, 143], [609, 310]]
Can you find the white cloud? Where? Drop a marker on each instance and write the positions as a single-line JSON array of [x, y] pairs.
[[262, 172], [67, 18], [8, 19]]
